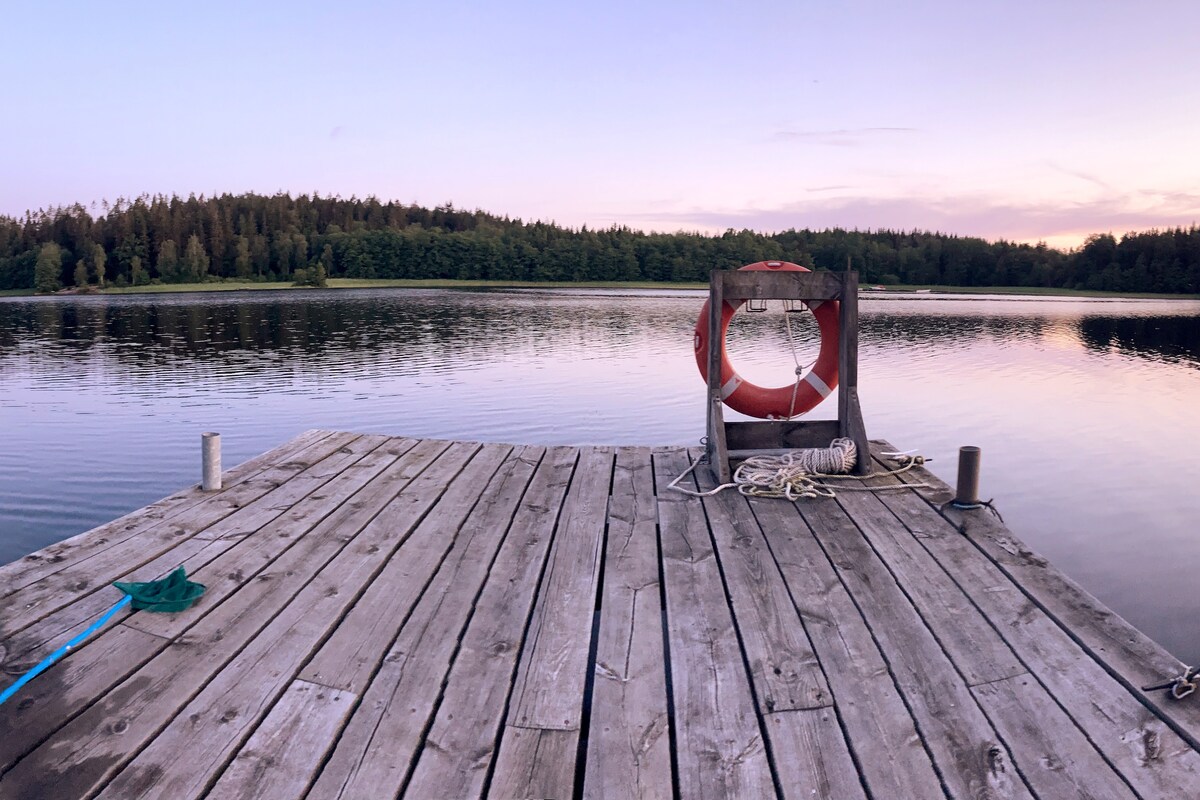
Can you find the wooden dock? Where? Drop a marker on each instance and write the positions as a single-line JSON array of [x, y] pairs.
[[390, 617]]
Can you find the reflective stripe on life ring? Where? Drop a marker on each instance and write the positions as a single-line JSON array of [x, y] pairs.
[[757, 401]]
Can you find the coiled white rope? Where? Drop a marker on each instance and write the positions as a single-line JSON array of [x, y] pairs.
[[796, 474]]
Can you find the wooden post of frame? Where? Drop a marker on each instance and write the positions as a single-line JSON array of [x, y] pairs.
[[736, 441]]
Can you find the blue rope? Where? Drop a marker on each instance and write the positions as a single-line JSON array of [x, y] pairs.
[[60, 652]]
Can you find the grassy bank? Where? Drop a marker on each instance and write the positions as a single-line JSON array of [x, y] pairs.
[[364, 283], [1034, 291], [360, 283]]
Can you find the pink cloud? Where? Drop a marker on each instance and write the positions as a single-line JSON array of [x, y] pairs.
[[990, 218]]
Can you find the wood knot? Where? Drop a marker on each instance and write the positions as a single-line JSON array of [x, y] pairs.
[[119, 727], [995, 761]]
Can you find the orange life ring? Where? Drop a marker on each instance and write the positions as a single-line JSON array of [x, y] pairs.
[[786, 401]]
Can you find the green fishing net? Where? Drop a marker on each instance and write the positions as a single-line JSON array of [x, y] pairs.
[[172, 593]]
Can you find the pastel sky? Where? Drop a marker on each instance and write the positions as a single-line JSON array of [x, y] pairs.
[[1023, 120]]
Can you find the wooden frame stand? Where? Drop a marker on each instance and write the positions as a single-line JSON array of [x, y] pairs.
[[736, 441]]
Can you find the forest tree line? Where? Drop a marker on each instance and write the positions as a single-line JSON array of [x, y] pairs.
[[306, 238]]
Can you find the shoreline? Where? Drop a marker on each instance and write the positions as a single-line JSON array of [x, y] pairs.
[[368, 283]]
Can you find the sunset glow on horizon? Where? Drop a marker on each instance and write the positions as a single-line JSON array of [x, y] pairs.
[[1026, 121]]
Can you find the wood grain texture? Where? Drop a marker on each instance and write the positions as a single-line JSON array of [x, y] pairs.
[[223, 714], [628, 749], [812, 756], [538, 763], [972, 643], [389, 727], [880, 729], [278, 762], [1050, 750], [228, 563], [1151, 756], [966, 749], [83, 755], [783, 667], [819, 285], [720, 746], [400, 618], [553, 669], [351, 655], [457, 754]]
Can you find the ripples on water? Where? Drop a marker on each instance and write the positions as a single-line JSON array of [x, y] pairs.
[[1084, 408]]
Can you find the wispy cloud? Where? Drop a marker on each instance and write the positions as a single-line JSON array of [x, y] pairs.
[[1083, 176], [843, 137], [987, 217]]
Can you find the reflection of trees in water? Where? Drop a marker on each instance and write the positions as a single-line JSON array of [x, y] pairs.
[[1176, 338], [921, 329], [407, 331]]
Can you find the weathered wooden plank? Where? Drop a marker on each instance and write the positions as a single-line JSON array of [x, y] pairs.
[[1153, 759], [1051, 752], [278, 762], [225, 712], [628, 749], [57, 695], [79, 758], [548, 688], [812, 758], [270, 507], [549, 685], [457, 754], [378, 746], [228, 563], [81, 578], [539, 763], [246, 559], [720, 747], [820, 285], [352, 654], [878, 725], [966, 750], [1131, 657], [974, 646], [783, 667], [60, 555]]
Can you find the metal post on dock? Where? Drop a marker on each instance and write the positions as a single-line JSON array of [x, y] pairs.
[[210, 457], [967, 491]]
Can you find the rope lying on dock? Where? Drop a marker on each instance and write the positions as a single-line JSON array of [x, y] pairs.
[[798, 474]]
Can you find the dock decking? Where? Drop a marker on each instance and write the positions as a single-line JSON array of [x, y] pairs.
[[390, 617]]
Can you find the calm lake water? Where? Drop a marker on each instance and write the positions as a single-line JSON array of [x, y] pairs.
[[1085, 409]]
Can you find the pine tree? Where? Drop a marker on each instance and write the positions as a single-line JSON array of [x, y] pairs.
[[98, 259], [168, 262], [137, 276], [195, 260], [81, 274], [242, 263], [48, 270]]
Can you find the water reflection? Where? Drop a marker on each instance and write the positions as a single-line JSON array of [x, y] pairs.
[[1174, 338], [102, 400]]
